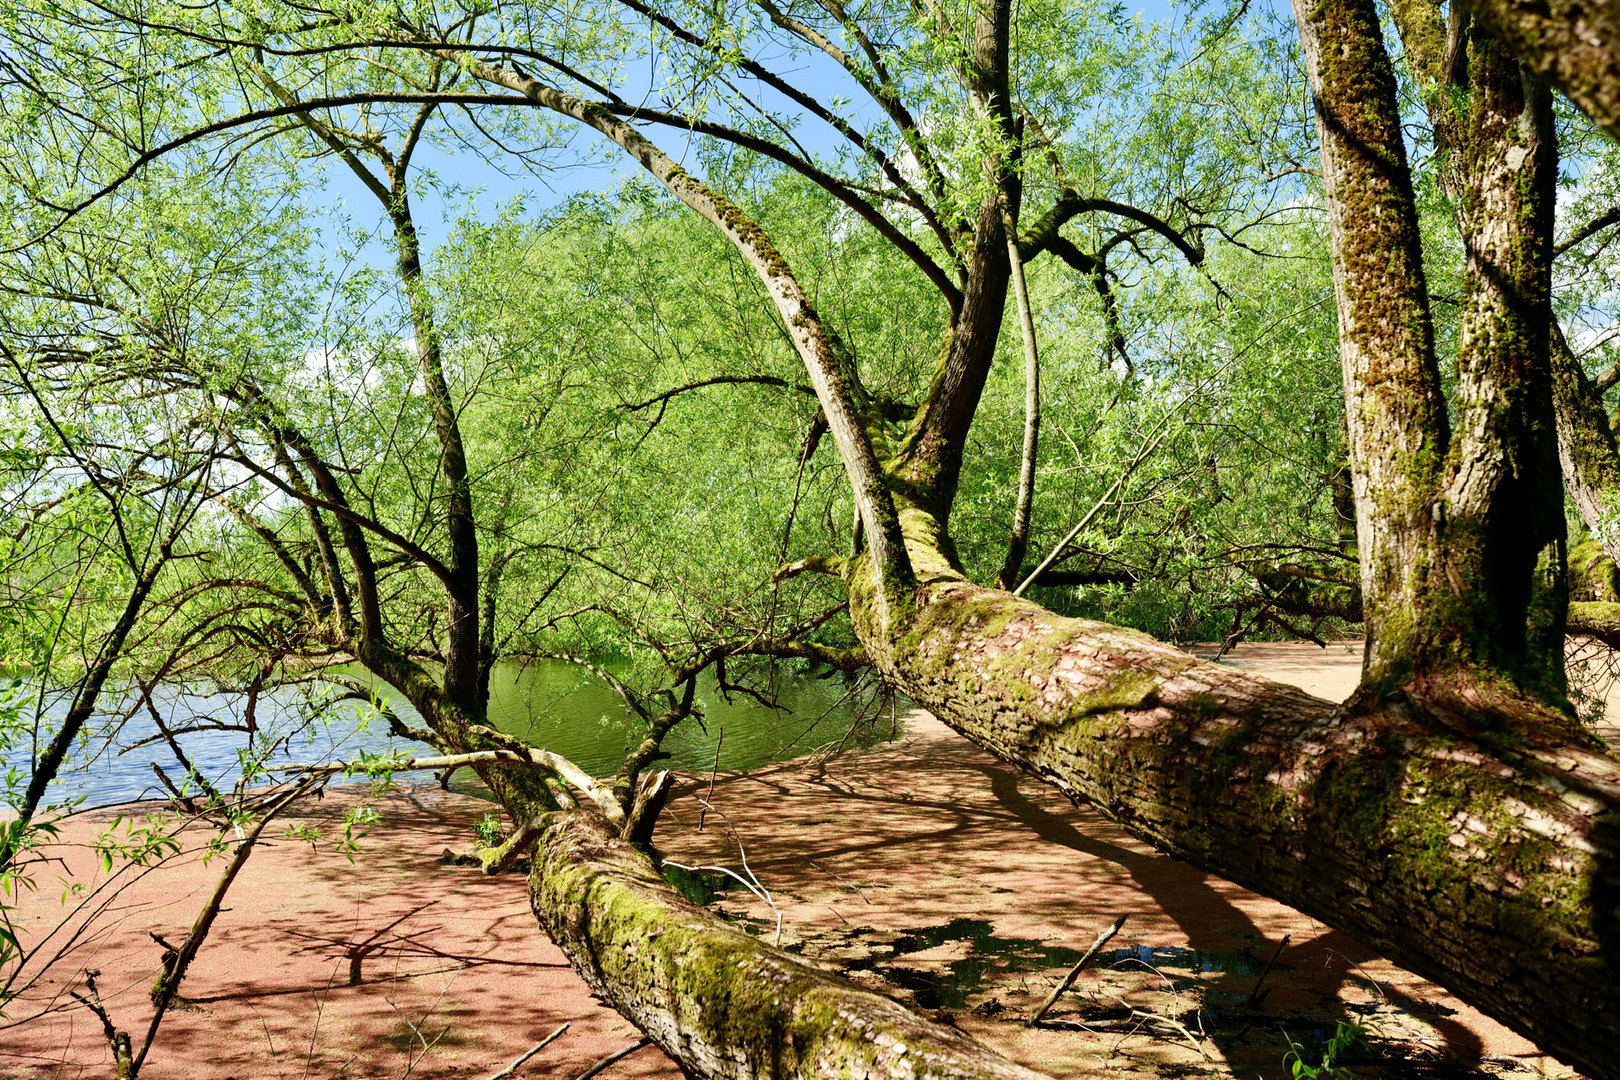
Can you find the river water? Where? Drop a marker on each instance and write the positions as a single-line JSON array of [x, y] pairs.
[[549, 703]]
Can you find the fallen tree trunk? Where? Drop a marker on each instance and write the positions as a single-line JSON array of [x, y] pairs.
[[721, 1002], [1468, 835], [1598, 619]]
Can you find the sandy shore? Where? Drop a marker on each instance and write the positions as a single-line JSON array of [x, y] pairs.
[[923, 866]]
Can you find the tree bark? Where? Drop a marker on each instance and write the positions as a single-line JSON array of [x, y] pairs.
[[1472, 840], [1587, 450], [1503, 507], [1393, 403], [929, 464], [721, 1002], [1573, 44], [1590, 460], [1461, 537]]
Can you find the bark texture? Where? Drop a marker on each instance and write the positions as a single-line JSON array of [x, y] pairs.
[[1573, 44], [1460, 529], [1393, 403], [1472, 840], [1503, 510], [721, 1002], [1586, 448]]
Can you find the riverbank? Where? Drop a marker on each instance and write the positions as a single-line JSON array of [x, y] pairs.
[[922, 865]]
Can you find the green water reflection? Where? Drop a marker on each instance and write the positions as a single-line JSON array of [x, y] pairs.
[[568, 709]]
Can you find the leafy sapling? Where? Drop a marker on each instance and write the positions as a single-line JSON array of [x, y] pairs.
[[488, 831]]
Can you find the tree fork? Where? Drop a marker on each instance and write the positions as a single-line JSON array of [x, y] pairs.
[[1573, 44]]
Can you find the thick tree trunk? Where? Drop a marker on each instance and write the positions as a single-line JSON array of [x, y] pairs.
[[723, 1003], [1472, 840], [1586, 448], [1503, 507], [1573, 44], [1393, 403]]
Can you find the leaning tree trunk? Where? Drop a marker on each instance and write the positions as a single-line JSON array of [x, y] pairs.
[[1472, 841], [723, 1003], [1465, 829]]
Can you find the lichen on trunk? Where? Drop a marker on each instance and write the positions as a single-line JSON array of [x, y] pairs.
[[1466, 831], [721, 1002]]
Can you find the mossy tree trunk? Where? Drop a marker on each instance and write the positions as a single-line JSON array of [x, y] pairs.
[[1395, 411], [1499, 584], [1472, 840], [1591, 464], [1587, 449], [1452, 524], [1573, 44], [722, 1002]]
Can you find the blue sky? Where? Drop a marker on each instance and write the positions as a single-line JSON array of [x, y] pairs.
[[468, 182]]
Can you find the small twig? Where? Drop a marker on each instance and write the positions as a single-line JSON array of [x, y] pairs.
[[707, 799], [531, 1051], [427, 1047], [1074, 972], [1364, 975], [847, 884], [1145, 1016], [117, 1040], [180, 800], [1255, 996], [1179, 1026], [615, 1056], [1094, 511], [314, 1032], [751, 883], [759, 891]]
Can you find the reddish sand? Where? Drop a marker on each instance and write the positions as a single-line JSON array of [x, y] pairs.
[[904, 837], [444, 955]]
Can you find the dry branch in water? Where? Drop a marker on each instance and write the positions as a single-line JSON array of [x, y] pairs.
[[1103, 938]]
